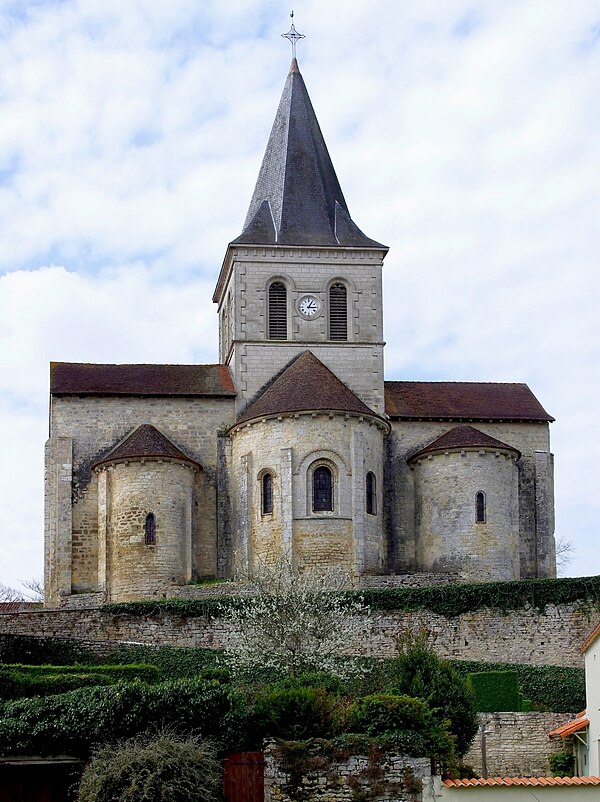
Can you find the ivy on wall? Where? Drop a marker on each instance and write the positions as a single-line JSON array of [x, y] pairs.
[[447, 600]]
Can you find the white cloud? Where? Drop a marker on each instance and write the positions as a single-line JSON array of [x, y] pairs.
[[464, 135]]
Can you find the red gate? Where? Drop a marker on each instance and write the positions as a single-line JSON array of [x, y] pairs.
[[243, 779]]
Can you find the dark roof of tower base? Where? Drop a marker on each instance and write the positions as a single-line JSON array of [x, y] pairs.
[[463, 437], [74, 378], [298, 199], [407, 400], [304, 385], [145, 442]]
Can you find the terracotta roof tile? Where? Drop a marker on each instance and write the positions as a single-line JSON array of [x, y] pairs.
[[580, 722], [522, 781], [75, 378], [591, 638], [463, 437], [145, 442], [306, 384], [462, 400]]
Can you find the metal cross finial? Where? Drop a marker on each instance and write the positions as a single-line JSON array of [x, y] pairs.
[[293, 36]]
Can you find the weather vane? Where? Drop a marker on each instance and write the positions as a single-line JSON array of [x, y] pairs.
[[293, 36]]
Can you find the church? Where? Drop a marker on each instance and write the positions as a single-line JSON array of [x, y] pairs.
[[294, 445]]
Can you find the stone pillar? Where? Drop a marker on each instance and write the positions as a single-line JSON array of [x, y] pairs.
[[358, 500], [242, 545], [58, 519], [286, 495], [103, 518], [544, 514]]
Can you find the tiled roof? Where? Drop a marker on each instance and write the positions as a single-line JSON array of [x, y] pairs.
[[76, 378], [306, 384], [15, 606], [463, 437], [145, 442], [298, 199], [580, 722], [535, 781], [591, 638], [462, 401]]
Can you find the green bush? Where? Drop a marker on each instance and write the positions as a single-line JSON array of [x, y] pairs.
[[293, 713], [548, 687], [496, 691], [419, 672], [39, 650], [21, 681], [402, 722], [158, 767], [562, 764], [315, 679], [173, 662], [72, 723]]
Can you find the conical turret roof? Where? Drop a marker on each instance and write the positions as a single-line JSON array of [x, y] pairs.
[[298, 199], [145, 442]]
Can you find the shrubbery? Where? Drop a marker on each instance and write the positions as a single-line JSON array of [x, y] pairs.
[[74, 722], [159, 767], [497, 691], [21, 681], [293, 714]]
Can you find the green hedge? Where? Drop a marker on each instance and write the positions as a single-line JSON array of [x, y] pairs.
[[42, 650], [173, 662], [21, 681], [555, 688], [73, 722], [449, 600], [496, 691]]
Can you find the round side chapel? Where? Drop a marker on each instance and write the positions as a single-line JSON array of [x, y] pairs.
[[145, 509], [306, 450]]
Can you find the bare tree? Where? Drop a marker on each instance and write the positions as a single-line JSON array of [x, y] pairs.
[[9, 594], [34, 591], [297, 621], [565, 551]]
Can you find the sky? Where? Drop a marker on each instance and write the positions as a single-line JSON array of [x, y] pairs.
[[465, 135]]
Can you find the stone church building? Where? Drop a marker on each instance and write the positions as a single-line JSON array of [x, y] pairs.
[[294, 444]]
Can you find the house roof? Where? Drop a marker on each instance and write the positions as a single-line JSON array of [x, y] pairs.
[[145, 442], [76, 378], [526, 781], [304, 385], [591, 638], [463, 437], [298, 199], [462, 401], [580, 722]]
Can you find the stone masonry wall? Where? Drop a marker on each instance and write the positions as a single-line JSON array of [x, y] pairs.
[[550, 638], [536, 497], [516, 744], [325, 779], [255, 360], [95, 425]]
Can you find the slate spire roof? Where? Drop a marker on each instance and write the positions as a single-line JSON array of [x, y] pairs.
[[305, 385], [143, 443], [298, 199]]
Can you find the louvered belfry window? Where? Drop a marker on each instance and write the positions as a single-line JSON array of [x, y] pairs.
[[322, 490], [277, 311], [338, 312]]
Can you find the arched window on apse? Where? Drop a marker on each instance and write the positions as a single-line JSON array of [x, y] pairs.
[[480, 508], [150, 529], [371, 493], [322, 490], [338, 312], [277, 312], [267, 494]]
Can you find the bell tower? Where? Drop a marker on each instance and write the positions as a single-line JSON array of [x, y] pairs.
[[301, 275]]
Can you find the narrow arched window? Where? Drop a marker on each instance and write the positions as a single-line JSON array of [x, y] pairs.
[[480, 508], [150, 529], [277, 312], [267, 494], [338, 312], [322, 490], [371, 494]]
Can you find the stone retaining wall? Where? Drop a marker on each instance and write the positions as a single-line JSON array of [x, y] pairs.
[[523, 636], [323, 779], [516, 744]]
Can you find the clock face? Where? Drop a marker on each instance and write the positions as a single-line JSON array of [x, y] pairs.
[[309, 306]]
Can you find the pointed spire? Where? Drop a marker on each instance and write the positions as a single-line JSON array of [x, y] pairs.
[[298, 199]]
